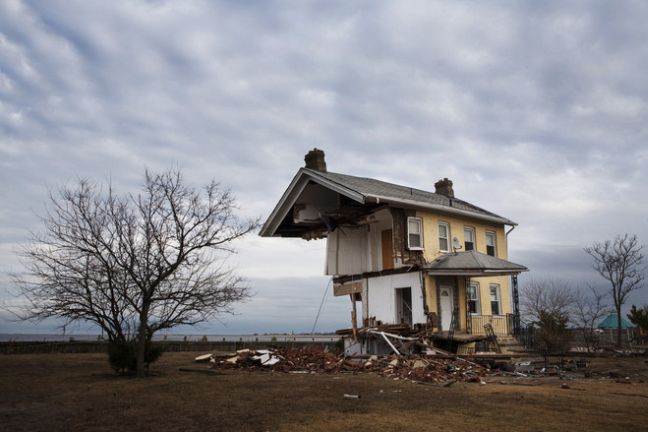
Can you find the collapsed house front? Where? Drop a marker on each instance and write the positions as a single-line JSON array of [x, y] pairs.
[[416, 261]]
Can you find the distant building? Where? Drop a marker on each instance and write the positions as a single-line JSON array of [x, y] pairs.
[[610, 322]]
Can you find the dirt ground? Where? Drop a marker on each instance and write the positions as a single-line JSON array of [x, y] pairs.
[[74, 392]]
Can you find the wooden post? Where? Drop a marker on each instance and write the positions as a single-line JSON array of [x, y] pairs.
[[354, 325]]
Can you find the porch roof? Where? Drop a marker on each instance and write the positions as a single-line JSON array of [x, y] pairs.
[[472, 263]]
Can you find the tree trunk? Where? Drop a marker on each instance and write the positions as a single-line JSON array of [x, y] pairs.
[[619, 331], [141, 344]]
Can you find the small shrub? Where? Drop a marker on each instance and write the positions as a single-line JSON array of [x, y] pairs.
[[122, 356]]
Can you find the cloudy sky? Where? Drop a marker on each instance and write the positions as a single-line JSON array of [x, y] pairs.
[[538, 111]]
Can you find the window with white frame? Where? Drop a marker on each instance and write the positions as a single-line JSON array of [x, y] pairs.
[[495, 299], [444, 237], [473, 298], [469, 238], [490, 243], [414, 233]]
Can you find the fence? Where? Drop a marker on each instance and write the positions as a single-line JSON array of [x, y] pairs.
[[502, 324], [173, 346]]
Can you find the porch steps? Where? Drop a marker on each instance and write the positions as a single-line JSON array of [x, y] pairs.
[[510, 345]]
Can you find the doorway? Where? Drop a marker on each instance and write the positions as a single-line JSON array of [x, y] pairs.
[[446, 301], [404, 306], [387, 243]]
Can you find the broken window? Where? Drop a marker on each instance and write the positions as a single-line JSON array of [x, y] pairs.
[[490, 243], [495, 299], [473, 298], [444, 235], [414, 233], [469, 238]]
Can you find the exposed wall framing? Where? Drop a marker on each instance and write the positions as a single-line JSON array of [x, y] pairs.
[[402, 254]]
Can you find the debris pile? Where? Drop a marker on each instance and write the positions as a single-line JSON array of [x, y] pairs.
[[417, 368]]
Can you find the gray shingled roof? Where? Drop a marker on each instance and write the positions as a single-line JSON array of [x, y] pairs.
[[372, 187], [473, 262]]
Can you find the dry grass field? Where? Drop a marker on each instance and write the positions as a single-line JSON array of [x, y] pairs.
[[77, 392]]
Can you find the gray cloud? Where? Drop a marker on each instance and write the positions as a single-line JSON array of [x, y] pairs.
[[537, 111]]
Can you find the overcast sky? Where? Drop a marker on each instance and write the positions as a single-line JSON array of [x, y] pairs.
[[537, 111]]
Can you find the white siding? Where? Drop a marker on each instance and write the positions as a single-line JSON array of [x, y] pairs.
[[346, 251], [351, 251], [382, 297]]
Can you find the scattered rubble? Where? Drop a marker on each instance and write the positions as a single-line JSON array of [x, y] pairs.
[[204, 358], [416, 368], [440, 368]]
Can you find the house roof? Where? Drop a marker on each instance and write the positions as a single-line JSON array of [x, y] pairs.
[[610, 322], [371, 192], [472, 263]]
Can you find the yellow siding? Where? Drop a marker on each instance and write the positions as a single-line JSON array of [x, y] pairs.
[[431, 251], [430, 293], [484, 293], [431, 234]]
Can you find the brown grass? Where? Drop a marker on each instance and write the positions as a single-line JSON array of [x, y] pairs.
[[74, 392]]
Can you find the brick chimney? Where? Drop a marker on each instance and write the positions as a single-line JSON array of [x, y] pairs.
[[315, 160], [444, 187]]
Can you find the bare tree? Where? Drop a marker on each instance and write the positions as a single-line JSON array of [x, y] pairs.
[[546, 305], [620, 262], [589, 308], [135, 264], [542, 296]]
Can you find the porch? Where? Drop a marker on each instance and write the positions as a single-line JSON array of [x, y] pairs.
[[469, 292]]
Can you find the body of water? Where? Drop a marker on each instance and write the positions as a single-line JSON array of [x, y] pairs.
[[279, 337]]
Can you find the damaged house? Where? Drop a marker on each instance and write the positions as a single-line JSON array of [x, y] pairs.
[[416, 261]]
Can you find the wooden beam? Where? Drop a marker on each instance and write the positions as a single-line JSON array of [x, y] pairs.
[[348, 288], [354, 324]]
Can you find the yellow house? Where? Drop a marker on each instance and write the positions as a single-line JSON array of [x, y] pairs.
[[412, 259]]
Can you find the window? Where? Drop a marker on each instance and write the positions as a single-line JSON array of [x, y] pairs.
[[490, 243], [473, 298], [495, 299], [469, 238], [414, 233], [444, 236]]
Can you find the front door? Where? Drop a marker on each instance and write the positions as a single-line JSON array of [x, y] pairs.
[[445, 306]]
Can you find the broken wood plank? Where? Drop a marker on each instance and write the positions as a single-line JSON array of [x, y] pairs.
[[348, 288], [354, 324], [384, 335]]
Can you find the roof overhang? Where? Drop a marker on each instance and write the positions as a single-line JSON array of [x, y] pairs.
[[474, 273], [440, 208], [472, 264]]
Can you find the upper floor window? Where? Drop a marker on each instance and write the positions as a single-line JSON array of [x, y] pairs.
[[495, 299], [444, 237], [490, 243], [469, 238], [473, 298], [414, 233]]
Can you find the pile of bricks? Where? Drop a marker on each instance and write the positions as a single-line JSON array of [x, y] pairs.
[[418, 368]]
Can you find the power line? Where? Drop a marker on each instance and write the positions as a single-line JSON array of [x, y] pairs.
[[321, 305]]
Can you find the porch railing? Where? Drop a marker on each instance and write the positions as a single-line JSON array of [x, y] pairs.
[[502, 324]]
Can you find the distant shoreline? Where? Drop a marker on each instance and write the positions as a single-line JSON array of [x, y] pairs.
[[267, 337]]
